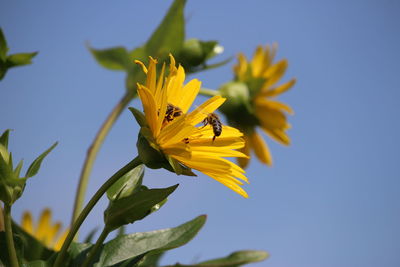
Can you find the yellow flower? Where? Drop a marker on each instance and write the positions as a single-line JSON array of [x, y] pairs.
[[177, 136], [45, 231], [255, 89]]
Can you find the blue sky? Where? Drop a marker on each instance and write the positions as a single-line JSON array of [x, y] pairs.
[[331, 198]]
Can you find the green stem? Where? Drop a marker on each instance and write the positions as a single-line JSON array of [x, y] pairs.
[[208, 92], [92, 153], [9, 236], [94, 250], [92, 202]]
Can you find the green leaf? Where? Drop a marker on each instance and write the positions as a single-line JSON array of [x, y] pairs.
[[129, 246], [35, 166], [127, 184], [20, 59], [139, 116], [236, 259], [170, 34], [134, 207], [78, 253], [4, 137], [3, 46], [115, 58]]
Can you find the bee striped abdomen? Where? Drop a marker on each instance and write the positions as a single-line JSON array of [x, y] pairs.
[[215, 123]]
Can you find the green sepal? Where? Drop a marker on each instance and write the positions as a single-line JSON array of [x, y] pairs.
[[20, 59], [127, 247], [127, 184], [4, 137], [115, 58], [170, 34], [178, 168], [3, 46], [139, 116], [134, 207], [35, 166]]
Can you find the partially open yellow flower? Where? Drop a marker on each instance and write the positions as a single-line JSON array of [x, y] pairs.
[[44, 231], [251, 102], [173, 131]]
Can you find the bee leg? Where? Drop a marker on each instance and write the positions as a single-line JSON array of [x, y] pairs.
[[205, 122]]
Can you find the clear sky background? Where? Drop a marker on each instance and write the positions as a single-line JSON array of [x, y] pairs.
[[330, 199]]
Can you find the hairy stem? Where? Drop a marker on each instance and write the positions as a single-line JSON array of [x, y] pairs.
[[92, 154], [9, 236], [92, 202]]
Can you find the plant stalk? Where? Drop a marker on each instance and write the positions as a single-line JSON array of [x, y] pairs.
[[94, 250], [9, 236], [92, 154], [92, 202], [208, 92]]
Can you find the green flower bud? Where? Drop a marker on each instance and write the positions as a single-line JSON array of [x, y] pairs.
[[192, 52], [195, 53], [238, 106], [11, 184]]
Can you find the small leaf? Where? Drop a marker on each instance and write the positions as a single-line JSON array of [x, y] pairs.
[[116, 58], [139, 116], [236, 259], [35, 166], [3, 46], [170, 34], [134, 207], [20, 59], [127, 184], [89, 237], [4, 138], [129, 246]]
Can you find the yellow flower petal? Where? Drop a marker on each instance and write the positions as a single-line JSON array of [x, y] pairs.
[[188, 94], [175, 84], [275, 73], [274, 105], [43, 225], [270, 118], [27, 223], [260, 148], [241, 68], [229, 182], [243, 162], [151, 76], [278, 90], [58, 244], [278, 135], [149, 107], [204, 109]]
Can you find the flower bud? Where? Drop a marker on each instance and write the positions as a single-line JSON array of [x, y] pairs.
[[238, 108]]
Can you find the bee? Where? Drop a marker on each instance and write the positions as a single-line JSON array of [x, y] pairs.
[[172, 112], [215, 123]]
